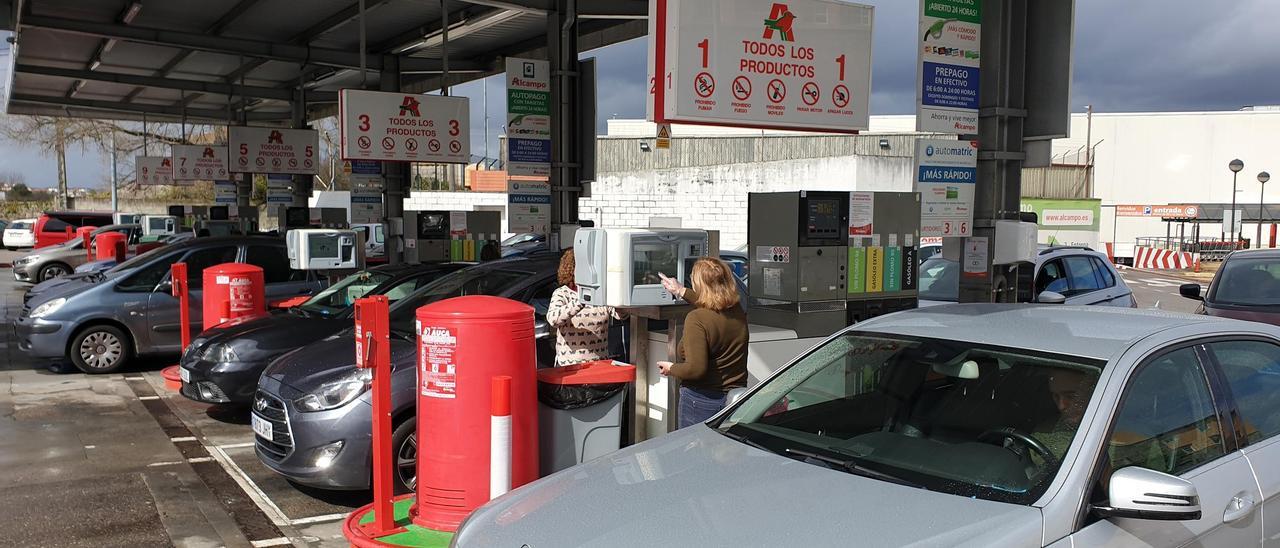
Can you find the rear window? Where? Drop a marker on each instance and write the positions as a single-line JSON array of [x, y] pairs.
[[1247, 282], [53, 224], [19, 225]]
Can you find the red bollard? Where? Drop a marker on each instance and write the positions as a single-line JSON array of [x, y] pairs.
[[110, 246], [463, 343], [88, 246], [373, 352], [178, 285], [1273, 236]]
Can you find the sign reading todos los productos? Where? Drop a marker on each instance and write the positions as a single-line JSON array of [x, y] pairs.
[[153, 170], [946, 176], [799, 64], [404, 127], [947, 72], [271, 150], [192, 162]]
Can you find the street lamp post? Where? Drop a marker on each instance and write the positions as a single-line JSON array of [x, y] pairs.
[[1263, 177], [1236, 166]]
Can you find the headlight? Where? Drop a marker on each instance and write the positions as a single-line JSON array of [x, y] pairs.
[[26, 260], [48, 308], [219, 353], [337, 393]]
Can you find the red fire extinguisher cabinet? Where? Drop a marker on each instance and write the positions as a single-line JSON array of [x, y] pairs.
[[462, 344], [232, 290]]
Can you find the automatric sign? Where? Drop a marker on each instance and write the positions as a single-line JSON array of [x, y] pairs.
[[946, 177], [404, 127], [273, 150], [800, 64]]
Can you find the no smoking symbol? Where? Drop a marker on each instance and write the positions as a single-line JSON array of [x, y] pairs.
[[810, 94], [777, 90], [433, 145], [840, 96], [411, 144], [704, 84], [364, 142], [455, 147], [388, 143], [742, 88]]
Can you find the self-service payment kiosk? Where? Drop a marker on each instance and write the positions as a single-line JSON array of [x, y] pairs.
[[624, 266]]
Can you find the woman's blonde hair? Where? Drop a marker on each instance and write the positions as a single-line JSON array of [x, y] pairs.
[[565, 274], [714, 283]]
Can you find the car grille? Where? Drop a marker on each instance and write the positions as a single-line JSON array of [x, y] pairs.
[[272, 409]]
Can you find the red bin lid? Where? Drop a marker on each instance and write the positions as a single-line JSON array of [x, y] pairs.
[[109, 236], [597, 372], [481, 307], [232, 268]]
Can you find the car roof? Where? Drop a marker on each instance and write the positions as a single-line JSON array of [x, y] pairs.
[[1255, 254], [403, 269], [1097, 332]]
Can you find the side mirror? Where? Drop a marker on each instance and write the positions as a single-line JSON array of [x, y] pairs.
[[1139, 493], [1190, 291], [1051, 297], [541, 329], [734, 395]]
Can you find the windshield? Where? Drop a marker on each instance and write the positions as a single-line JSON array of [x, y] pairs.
[[469, 281], [940, 280], [340, 296], [986, 422], [520, 238], [1247, 282]]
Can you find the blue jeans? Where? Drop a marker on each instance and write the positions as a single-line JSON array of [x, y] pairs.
[[697, 405]]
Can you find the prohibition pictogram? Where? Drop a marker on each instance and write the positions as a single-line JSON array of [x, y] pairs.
[[704, 84], [742, 88]]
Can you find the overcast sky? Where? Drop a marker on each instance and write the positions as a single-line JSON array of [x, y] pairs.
[[1149, 55]]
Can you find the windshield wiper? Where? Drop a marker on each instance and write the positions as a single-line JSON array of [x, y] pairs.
[[852, 466], [743, 439]]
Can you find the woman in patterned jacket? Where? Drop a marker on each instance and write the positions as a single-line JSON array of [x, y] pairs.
[[582, 330]]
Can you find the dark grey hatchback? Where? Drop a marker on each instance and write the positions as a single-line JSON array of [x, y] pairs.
[[222, 364], [312, 415]]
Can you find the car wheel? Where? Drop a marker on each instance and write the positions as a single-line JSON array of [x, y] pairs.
[[100, 349], [53, 270], [404, 445]]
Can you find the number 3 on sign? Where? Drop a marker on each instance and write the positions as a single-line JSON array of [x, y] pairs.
[[453, 128], [946, 228]]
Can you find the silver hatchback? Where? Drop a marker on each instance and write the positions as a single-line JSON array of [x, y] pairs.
[[974, 425]]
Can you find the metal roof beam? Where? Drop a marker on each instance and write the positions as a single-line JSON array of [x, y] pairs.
[[231, 46], [327, 25], [219, 88], [541, 7], [112, 106]]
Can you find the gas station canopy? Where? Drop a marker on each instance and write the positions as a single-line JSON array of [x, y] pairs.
[[251, 60]]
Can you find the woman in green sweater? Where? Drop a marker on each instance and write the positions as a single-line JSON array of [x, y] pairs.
[[713, 347]]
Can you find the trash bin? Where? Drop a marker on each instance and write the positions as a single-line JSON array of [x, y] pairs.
[[580, 412]]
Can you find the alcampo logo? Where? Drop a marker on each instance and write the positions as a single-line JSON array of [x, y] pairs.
[[166, 163], [276, 137], [781, 20], [410, 105], [208, 152]]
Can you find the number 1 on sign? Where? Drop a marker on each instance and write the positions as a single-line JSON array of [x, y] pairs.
[[705, 46], [840, 61]]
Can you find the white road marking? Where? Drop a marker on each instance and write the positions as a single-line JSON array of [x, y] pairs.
[[250, 488], [1155, 282], [90, 447], [182, 439], [148, 398], [318, 519], [278, 541], [164, 463], [236, 445], [134, 379], [194, 460]]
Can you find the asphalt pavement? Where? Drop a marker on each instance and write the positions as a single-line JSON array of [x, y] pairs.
[[1159, 290]]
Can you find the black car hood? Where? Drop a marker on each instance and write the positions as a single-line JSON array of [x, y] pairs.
[[309, 367], [264, 338]]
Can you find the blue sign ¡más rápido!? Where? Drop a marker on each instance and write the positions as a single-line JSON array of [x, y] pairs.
[[528, 199], [950, 86], [941, 174], [529, 150]]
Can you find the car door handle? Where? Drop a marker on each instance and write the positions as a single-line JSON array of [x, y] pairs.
[[1238, 508]]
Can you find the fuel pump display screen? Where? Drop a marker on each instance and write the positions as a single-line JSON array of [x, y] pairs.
[[156, 223], [647, 260], [824, 219], [323, 248], [433, 226]]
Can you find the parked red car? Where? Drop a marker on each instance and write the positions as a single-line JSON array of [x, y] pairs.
[[51, 227]]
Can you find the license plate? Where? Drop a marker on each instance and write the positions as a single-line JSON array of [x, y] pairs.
[[185, 374], [260, 426]]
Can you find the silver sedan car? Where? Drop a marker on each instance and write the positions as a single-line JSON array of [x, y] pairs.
[[973, 425]]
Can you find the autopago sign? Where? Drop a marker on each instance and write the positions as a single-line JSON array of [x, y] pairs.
[[273, 150], [799, 64], [153, 170], [404, 127], [206, 162], [528, 118], [946, 176], [947, 72]]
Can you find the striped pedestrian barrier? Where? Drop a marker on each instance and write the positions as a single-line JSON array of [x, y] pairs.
[[1163, 259]]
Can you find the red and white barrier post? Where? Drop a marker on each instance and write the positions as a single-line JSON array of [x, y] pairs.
[[500, 437], [178, 286]]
